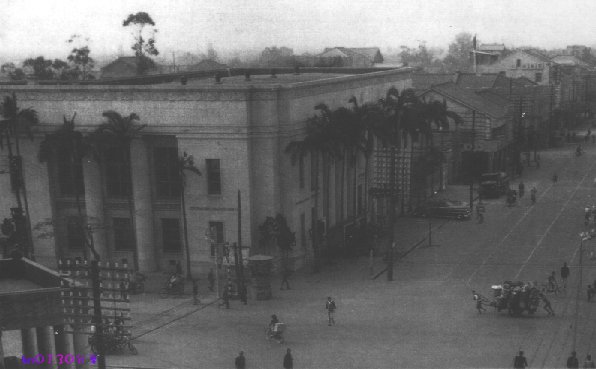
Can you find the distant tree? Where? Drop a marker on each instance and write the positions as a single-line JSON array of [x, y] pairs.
[[459, 56], [416, 57], [144, 44], [80, 61], [13, 72], [42, 68], [211, 53]]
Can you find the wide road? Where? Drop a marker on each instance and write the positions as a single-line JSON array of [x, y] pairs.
[[426, 317]]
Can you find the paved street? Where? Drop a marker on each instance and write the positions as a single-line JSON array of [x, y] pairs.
[[425, 318]]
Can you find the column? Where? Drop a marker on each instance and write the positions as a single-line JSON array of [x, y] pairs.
[[47, 346], [141, 192], [65, 345], [29, 342], [94, 204], [1, 352], [81, 344]]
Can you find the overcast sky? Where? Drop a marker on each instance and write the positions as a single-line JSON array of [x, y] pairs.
[[41, 27]]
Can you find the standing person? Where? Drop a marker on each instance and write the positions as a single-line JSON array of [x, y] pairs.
[[479, 213], [240, 361], [371, 262], [591, 292], [555, 178], [243, 293], [195, 292], [211, 279], [330, 306], [520, 361], [564, 275], [533, 194], [572, 362], [552, 283], [285, 274], [589, 363], [521, 188], [226, 298], [478, 300], [288, 360]]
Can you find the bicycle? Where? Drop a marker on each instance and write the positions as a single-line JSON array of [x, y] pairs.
[[174, 286]]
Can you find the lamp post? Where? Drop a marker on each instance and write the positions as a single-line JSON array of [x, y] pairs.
[[210, 236]]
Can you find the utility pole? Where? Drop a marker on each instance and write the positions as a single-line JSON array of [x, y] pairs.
[[472, 160], [239, 262], [391, 244]]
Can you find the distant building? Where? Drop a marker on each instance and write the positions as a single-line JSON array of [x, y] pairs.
[[489, 53], [522, 63], [362, 57], [124, 66]]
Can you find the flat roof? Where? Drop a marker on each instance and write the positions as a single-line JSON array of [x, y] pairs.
[[260, 79]]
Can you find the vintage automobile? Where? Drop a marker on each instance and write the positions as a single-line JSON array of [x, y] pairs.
[[443, 208], [516, 297], [494, 184]]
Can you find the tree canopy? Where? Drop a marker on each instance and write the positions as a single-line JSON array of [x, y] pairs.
[[144, 41], [459, 55]]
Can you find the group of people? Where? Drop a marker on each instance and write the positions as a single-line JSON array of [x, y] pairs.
[[288, 361], [521, 189], [520, 362]]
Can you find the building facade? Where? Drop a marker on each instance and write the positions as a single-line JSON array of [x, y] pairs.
[[236, 131]]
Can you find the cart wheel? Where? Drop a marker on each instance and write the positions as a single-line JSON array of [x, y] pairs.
[[133, 349]]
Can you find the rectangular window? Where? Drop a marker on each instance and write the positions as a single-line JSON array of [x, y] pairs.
[[538, 77], [216, 229], [117, 173], [167, 175], [302, 230], [301, 171], [123, 239], [213, 176], [69, 173], [170, 230], [75, 237], [518, 63]]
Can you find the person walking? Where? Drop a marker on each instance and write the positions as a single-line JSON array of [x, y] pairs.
[[288, 360], [533, 195], [547, 306], [226, 299], [588, 363], [521, 189], [564, 275], [480, 213], [572, 362], [330, 306], [520, 362], [211, 279], [478, 299], [240, 361], [552, 283]]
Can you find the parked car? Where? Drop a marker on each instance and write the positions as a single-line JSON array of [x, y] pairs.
[[494, 184], [443, 208]]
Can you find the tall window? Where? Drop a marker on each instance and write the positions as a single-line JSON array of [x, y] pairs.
[[216, 229], [518, 63], [213, 177], [314, 171], [170, 230], [117, 173], [70, 175], [301, 171], [167, 176], [123, 239], [75, 238], [302, 231], [538, 77]]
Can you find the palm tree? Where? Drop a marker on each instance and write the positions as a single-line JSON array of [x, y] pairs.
[[76, 147], [16, 122], [118, 133], [186, 162]]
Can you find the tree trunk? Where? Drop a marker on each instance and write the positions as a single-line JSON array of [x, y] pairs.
[[131, 209], [21, 179], [185, 225]]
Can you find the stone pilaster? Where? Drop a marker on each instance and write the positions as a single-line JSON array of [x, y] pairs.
[[47, 346], [141, 191], [29, 342], [65, 345], [94, 205], [81, 344], [1, 352]]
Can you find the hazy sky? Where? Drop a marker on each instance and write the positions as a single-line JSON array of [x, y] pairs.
[[41, 27]]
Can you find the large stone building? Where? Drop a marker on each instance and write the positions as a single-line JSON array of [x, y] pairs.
[[237, 132]]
